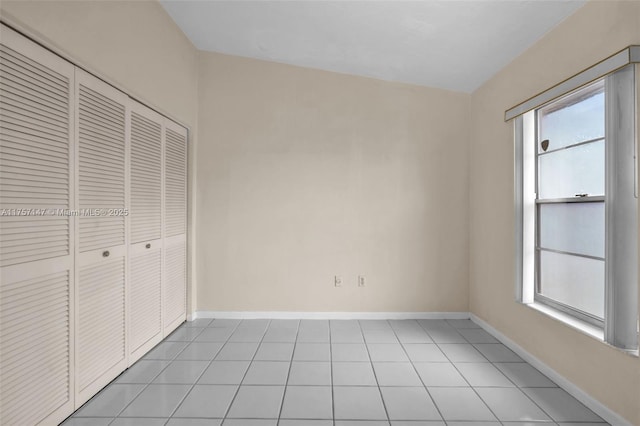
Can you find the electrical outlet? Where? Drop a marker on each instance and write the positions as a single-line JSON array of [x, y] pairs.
[[337, 281], [361, 280]]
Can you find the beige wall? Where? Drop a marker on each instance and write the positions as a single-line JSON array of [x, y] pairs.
[[593, 33], [132, 44], [306, 174]]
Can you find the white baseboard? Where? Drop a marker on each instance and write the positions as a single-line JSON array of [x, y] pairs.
[[596, 406], [331, 315]]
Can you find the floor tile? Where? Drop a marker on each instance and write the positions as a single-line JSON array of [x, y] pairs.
[[423, 423], [176, 421], [237, 351], [396, 374], [255, 323], [358, 403], [425, 353], [224, 323], [363, 423], [313, 336], [380, 336], [387, 352], [285, 422], [87, 421], [477, 335], [310, 373], [166, 350], [493, 424], [483, 374], [267, 373], [462, 353], [374, 324], [156, 401], [413, 336], [200, 351], [561, 406], [181, 372], [460, 404], [353, 374], [185, 334], [207, 401], [312, 352], [511, 405], [110, 402], [307, 402], [139, 421], [524, 375], [249, 422], [572, 424], [274, 352], [247, 335], [143, 371], [349, 352], [280, 335], [497, 352], [224, 373], [257, 402], [439, 374], [213, 334], [198, 323], [409, 403], [445, 335], [462, 323], [430, 324], [284, 323], [346, 336]]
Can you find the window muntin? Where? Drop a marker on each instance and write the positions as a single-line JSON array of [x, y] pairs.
[[570, 189]]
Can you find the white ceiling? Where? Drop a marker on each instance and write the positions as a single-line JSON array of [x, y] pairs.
[[455, 45]]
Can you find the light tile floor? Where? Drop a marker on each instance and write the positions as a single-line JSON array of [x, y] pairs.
[[332, 373]]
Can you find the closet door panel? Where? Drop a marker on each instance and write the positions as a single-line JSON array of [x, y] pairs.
[[36, 234], [175, 226], [101, 249], [145, 299]]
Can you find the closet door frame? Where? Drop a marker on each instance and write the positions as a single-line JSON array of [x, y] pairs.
[[24, 271], [140, 248], [96, 255]]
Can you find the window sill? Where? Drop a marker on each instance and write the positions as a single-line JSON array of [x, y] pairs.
[[582, 326]]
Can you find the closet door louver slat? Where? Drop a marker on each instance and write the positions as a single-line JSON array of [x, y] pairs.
[[175, 183], [36, 251]]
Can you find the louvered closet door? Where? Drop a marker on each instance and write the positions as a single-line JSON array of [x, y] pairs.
[[101, 132], [175, 226], [145, 301], [36, 256]]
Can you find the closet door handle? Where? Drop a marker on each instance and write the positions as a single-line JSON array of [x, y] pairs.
[[105, 253], [148, 245]]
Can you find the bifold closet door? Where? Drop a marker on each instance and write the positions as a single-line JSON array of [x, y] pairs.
[[145, 283], [175, 227], [101, 261], [36, 234]]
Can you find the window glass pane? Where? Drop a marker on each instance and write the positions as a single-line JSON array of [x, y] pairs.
[[573, 280], [575, 123], [571, 171], [573, 227]]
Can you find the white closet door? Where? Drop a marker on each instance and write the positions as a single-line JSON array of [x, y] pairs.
[[101, 132], [175, 226], [145, 301], [36, 256]]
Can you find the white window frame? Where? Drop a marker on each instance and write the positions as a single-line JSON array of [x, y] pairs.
[[622, 104]]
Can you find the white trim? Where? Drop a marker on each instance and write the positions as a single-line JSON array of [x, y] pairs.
[[330, 315], [602, 68], [596, 406]]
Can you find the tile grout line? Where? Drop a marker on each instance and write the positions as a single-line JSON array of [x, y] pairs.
[[286, 382], [235, 395], [175, 410], [375, 376], [146, 386], [416, 370]]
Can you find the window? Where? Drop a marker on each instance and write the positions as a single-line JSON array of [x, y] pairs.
[[576, 203], [570, 204]]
